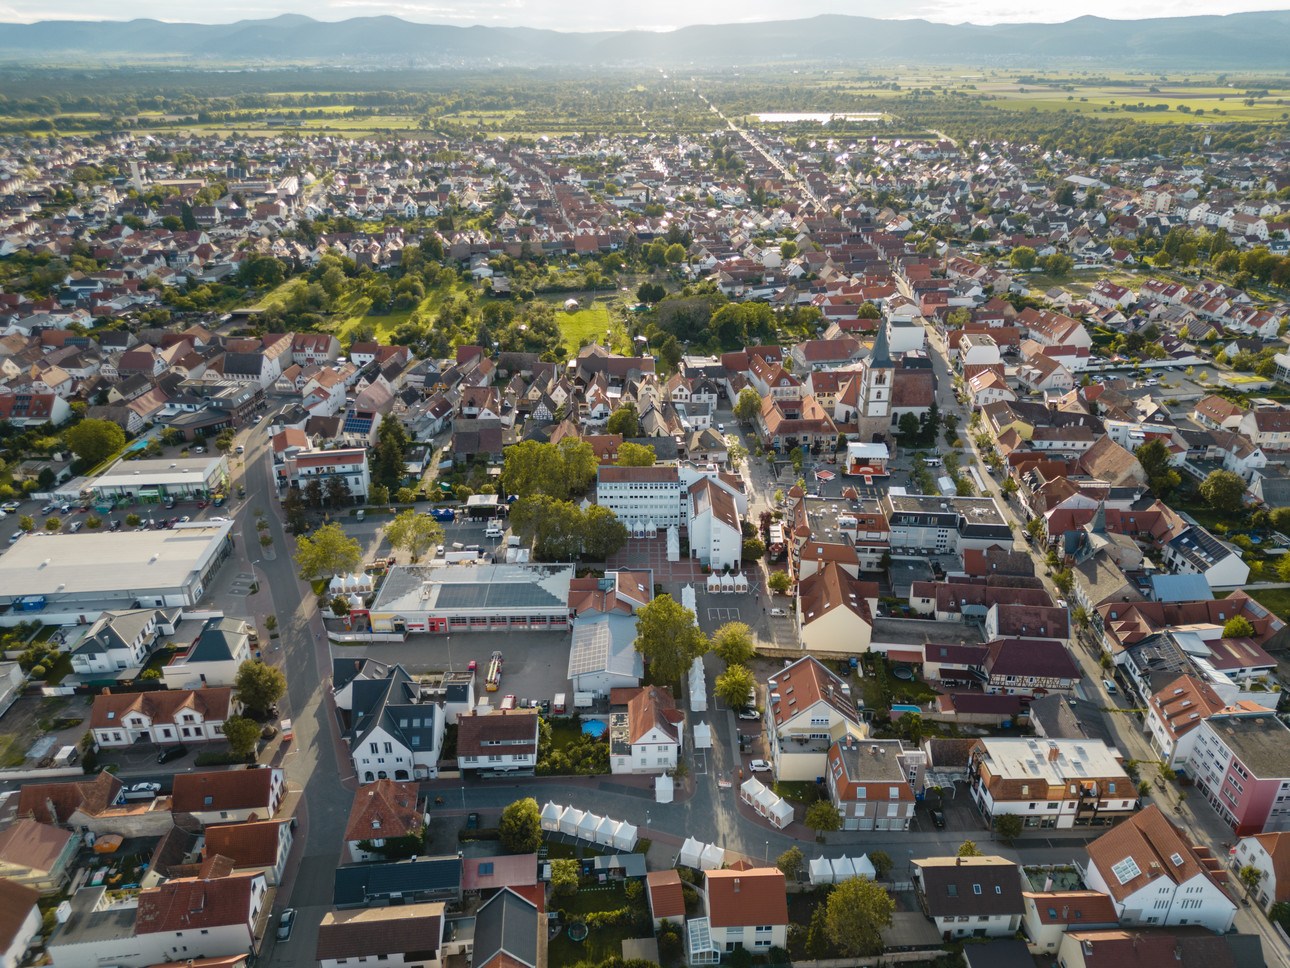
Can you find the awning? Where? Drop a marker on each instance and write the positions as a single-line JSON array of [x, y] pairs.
[[824, 476]]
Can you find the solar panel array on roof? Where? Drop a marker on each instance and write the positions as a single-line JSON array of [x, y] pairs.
[[494, 595], [590, 649], [358, 421]]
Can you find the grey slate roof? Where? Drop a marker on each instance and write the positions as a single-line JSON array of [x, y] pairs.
[[506, 924], [419, 879]]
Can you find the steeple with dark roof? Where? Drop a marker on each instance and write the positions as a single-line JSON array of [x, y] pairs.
[[880, 358]]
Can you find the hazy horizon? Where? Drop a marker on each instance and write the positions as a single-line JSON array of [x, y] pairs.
[[577, 16]]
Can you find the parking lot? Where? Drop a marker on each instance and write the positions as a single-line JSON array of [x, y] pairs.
[[535, 665]]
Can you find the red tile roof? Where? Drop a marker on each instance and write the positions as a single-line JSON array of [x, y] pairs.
[[225, 789], [666, 899], [189, 903], [252, 844], [744, 897], [386, 808]]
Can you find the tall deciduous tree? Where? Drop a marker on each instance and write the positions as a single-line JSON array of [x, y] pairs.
[[669, 638], [822, 816], [413, 532], [734, 686], [388, 464], [625, 420], [258, 686], [241, 734], [857, 911], [520, 829], [328, 551], [635, 455], [733, 642], [94, 440], [747, 404], [1224, 491]]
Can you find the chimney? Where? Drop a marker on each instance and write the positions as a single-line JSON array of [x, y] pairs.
[[53, 811], [958, 861], [1052, 754]]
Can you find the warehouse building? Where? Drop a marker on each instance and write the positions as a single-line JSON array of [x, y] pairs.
[[65, 579]]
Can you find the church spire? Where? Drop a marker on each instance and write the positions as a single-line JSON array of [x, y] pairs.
[[880, 358]]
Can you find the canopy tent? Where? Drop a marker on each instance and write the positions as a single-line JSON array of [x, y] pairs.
[[691, 853], [751, 789], [569, 821], [713, 857], [843, 869], [702, 736], [781, 813], [714, 583], [651, 529], [664, 789], [727, 583], [673, 544], [551, 817], [821, 870], [605, 832], [698, 688], [741, 582], [587, 827], [689, 599], [865, 868], [625, 835]]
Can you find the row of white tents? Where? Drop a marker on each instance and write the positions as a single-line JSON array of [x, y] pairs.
[[573, 822], [698, 688], [728, 583], [835, 870], [762, 799], [701, 856]]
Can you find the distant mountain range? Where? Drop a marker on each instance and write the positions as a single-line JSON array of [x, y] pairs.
[[1252, 41]]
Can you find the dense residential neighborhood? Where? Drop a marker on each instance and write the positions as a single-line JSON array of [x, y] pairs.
[[444, 551]]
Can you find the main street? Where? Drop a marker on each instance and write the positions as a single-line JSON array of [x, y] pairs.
[[315, 762]]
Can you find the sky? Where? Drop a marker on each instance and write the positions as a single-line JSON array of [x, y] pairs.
[[600, 15]]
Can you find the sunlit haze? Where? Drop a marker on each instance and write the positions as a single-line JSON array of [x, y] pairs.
[[584, 16]]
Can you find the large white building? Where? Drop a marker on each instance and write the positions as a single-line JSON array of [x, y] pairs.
[[472, 598], [716, 536], [345, 464], [1155, 875], [69, 579], [152, 481]]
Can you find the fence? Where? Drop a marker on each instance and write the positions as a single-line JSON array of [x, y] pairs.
[[886, 958]]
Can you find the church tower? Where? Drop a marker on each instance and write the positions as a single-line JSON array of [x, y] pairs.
[[876, 382]]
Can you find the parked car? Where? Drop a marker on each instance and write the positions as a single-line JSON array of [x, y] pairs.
[[750, 714], [171, 753], [219, 501], [143, 791], [47, 510], [472, 821], [285, 923], [1110, 687], [11, 506], [938, 818], [75, 526], [114, 525], [759, 766], [778, 612]]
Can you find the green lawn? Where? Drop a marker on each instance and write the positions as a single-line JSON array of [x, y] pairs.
[[564, 732], [583, 326], [601, 943]]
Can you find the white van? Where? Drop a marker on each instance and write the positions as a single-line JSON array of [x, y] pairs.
[[493, 531]]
